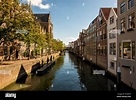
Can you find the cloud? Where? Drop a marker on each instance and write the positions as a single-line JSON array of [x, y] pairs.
[[46, 6], [68, 39], [39, 3], [71, 38]]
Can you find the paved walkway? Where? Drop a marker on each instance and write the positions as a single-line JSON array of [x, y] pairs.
[[24, 60]]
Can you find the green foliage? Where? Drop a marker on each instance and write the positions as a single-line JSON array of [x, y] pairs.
[[14, 17], [58, 45]]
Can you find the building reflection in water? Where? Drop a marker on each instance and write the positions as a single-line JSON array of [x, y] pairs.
[[90, 81], [69, 73]]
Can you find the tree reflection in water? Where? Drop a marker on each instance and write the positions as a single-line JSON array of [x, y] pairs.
[[70, 73]]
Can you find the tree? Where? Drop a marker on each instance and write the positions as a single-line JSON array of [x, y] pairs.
[[58, 45], [49, 42], [15, 17]]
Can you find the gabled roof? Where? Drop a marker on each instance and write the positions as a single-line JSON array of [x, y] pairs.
[[105, 12], [115, 9], [42, 17], [93, 21]]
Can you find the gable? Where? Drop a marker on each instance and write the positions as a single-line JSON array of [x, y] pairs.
[[105, 12]]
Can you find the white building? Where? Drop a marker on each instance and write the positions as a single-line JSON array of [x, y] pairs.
[[112, 41]]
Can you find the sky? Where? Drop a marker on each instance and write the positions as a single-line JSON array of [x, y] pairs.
[[69, 17]]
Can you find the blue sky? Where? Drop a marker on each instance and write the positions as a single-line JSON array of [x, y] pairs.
[[69, 17]]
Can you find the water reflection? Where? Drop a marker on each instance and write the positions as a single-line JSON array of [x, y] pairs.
[[36, 83], [69, 73], [92, 82]]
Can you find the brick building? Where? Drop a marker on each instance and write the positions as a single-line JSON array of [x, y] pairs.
[[126, 11]]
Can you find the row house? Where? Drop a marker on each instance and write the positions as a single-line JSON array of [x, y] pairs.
[[91, 37], [112, 41], [93, 40], [71, 46], [86, 44], [109, 41], [76, 50], [126, 11], [82, 43], [102, 37]]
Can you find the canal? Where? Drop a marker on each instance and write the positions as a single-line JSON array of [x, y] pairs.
[[69, 73]]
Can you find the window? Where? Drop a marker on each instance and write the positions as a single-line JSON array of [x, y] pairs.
[[112, 35], [112, 65], [112, 20], [98, 50], [105, 50], [101, 35], [122, 7], [104, 36], [130, 3], [120, 49], [131, 22], [99, 20], [112, 48], [122, 25], [133, 50], [127, 50]]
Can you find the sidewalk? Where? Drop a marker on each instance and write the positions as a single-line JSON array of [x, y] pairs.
[[24, 60]]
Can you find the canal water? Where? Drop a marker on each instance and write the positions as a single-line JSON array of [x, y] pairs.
[[69, 73]]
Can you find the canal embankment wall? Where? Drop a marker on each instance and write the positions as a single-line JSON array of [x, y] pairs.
[[9, 70]]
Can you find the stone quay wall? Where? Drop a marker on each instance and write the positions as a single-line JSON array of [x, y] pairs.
[[9, 70]]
